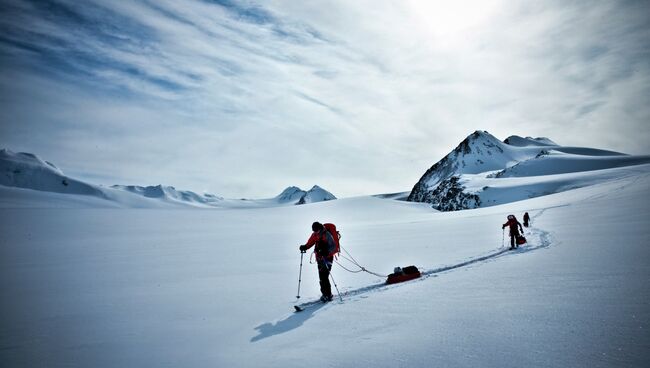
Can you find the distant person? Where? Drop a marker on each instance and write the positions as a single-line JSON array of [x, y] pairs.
[[514, 230], [325, 238], [526, 219]]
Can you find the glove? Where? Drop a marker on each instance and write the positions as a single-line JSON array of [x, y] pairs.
[[303, 248]]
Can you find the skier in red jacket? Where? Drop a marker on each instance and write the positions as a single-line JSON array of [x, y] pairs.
[[326, 246], [514, 231]]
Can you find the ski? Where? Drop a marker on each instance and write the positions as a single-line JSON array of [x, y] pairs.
[[305, 305]]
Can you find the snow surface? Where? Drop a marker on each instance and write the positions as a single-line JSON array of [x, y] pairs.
[[167, 287]]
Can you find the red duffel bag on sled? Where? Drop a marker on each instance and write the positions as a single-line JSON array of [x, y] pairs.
[[403, 274]]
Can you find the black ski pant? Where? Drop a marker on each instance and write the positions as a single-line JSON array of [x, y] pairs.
[[324, 268], [513, 238]]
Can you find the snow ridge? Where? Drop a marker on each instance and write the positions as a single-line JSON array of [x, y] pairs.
[[169, 193], [517, 141], [26, 170]]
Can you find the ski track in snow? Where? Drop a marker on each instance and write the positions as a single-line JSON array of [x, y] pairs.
[[542, 237], [296, 319]]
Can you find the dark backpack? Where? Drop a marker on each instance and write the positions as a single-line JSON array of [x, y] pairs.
[[332, 236]]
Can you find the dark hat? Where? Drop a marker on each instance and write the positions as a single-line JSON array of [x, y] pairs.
[[316, 226]]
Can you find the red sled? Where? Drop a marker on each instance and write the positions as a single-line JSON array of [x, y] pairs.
[[521, 240], [403, 274]]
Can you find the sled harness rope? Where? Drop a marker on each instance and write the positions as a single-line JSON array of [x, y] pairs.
[[351, 259]]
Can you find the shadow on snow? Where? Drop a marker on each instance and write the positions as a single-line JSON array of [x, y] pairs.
[[293, 321]]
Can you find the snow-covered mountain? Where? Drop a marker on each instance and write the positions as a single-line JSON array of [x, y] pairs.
[[169, 193], [473, 174], [316, 194], [28, 171], [290, 195], [295, 195], [517, 141]]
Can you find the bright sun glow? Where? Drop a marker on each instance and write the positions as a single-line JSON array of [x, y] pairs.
[[447, 18]]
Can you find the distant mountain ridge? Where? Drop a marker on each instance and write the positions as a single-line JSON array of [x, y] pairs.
[[481, 171], [469, 175], [28, 171], [169, 193], [517, 141], [295, 195]]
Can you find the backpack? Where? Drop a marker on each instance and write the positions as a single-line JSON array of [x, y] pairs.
[[333, 236]]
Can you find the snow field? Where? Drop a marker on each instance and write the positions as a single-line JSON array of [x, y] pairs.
[[155, 287]]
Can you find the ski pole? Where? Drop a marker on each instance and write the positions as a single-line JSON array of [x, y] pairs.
[[300, 274], [336, 287], [503, 237]]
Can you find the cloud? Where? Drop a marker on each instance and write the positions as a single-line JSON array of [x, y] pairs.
[[242, 98]]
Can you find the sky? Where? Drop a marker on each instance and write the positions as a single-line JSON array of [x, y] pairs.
[[242, 99]]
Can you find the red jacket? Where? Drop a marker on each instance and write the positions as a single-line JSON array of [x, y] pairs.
[[513, 226], [326, 243], [315, 237]]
